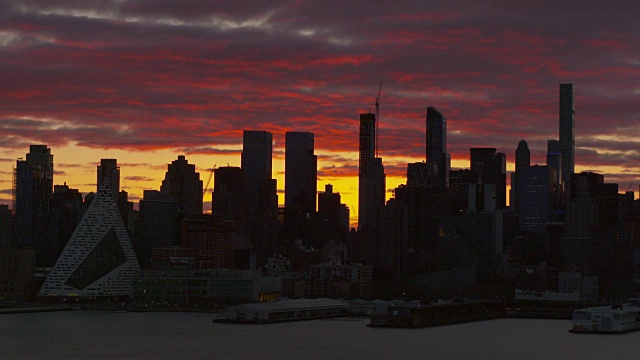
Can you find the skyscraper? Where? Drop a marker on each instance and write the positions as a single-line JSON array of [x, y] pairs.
[[421, 174], [301, 171], [366, 154], [371, 177], [523, 160], [262, 197], [567, 129], [212, 239], [536, 197], [256, 162], [66, 210], [501, 181], [183, 184], [229, 199], [437, 145], [6, 227], [109, 173], [157, 227], [491, 169], [33, 191]]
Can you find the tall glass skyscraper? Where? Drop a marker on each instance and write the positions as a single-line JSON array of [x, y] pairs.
[[371, 177], [256, 162], [523, 161], [567, 129], [437, 145], [33, 191], [301, 169]]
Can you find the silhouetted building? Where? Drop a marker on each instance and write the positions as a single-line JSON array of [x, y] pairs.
[[212, 238], [523, 160], [157, 226], [109, 173], [482, 197], [371, 190], [366, 207], [17, 275], [436, 143], [567, 129], [98, 260], [126, 211], [422, 174], [66, 212], [536, 198], [582, 211], [329, 205], [182, 183], [6, 226], [418, 202], [329, 222], [256, 162], [491, 169], [33, 191], [300, 189], [262, 196], [501, 181], [229, 199], [459, 187], [300, 185], [266, 224], [605, 194], [554, 160]]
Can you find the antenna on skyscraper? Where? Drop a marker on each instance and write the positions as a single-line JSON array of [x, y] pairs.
[[378, 116]]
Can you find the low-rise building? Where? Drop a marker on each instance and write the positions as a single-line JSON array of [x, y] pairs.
[[17, 274], [284, 310], [190, 287]]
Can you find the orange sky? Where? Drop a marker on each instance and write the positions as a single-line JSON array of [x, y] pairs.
[[144, 81]]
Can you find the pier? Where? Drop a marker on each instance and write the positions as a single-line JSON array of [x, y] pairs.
[[419, 316]]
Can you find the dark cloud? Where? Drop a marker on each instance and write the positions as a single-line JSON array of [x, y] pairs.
[[191, 75], [211, 151], [138, 178]]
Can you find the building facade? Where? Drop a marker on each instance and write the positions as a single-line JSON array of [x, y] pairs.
[[33, 191], [437, 145], [229, 198], [567, 129], [157, 226], [301, 171], [183, 184], [523, 160], [256, 162], [99, 259], [109, 173]]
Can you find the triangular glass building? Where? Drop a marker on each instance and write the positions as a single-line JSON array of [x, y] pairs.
[[99, 259]]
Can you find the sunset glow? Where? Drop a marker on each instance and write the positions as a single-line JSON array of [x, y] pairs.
[[144, 81]]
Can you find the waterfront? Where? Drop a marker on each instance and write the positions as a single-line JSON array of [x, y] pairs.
[[103, 334]]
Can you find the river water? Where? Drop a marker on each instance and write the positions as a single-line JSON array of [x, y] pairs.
[[107, 335]]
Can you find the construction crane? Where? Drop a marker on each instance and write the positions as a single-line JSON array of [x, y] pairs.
[[378, 116], [204, 189], [630, 186]]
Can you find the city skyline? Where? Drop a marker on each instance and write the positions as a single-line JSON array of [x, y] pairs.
[[158, 82]]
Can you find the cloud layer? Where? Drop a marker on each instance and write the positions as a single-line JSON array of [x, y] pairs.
[[191, 75]]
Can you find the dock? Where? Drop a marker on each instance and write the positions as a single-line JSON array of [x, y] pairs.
[[421, 316]]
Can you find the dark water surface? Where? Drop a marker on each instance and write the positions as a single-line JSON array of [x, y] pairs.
[[106, 335]]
